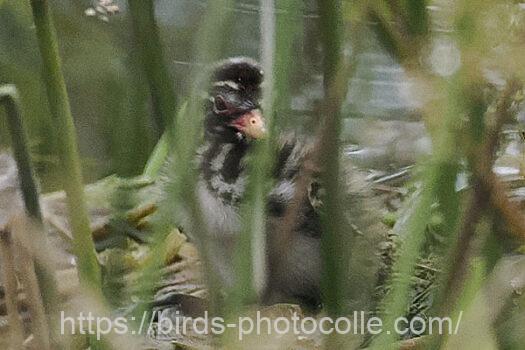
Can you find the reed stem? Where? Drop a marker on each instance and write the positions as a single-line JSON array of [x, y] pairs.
[[334, 250], [83, 246], [181, 189]]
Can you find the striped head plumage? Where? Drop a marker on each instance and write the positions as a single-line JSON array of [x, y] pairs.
[[233, 108]]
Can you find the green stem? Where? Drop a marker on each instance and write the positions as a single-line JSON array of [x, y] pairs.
[[288, 24], [149, 44], [88, 267], [335, 250], [181, 190], [253, 212]]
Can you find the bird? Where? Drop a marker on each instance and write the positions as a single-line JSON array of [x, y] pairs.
[[233, 123]]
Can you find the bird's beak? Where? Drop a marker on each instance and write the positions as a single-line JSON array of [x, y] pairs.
[[251, 124]]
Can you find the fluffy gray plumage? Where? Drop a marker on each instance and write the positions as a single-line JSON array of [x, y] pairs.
[[234, 91]]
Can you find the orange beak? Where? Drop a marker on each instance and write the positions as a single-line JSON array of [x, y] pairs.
[[251, 124]]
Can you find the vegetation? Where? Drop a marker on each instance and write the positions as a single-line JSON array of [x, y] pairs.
[[90, 97]]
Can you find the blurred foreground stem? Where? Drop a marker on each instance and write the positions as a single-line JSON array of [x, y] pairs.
[[334, 251], [250, 255], [88, 267], [181, 189]]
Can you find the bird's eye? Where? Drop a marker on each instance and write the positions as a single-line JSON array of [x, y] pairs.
[[220, 106]]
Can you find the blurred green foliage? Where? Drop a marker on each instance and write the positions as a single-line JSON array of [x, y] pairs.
[[111, 104], [108, 89], [108, 96]]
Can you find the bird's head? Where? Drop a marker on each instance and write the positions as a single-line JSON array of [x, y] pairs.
[[233, 107]]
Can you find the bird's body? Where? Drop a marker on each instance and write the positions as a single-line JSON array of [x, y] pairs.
[[233, 123], [221, 186], [220, 189]]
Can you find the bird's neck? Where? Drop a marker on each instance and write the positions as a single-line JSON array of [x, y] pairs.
[[222, 168]]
